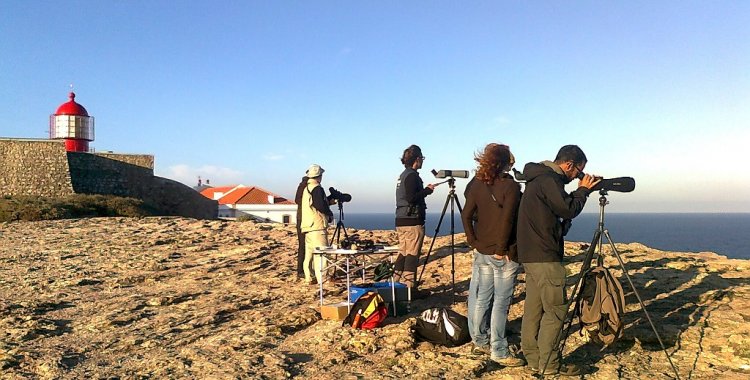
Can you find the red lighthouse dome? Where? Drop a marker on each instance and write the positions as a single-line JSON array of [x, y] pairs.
[[71, 107], [72, 123]]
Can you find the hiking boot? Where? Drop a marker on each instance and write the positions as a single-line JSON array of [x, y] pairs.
[[532, 369], [509, 361], [564, 370], [480, 350]]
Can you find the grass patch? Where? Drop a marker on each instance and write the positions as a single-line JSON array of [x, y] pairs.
[[30, 208]]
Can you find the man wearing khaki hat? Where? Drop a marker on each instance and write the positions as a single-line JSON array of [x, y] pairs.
[[316, 214]]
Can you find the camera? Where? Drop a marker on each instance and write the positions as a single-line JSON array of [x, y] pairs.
[[338, 196], [354, 242], [450, 173], [619, 184]]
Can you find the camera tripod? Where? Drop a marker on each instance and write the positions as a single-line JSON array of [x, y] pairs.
[[339, 225], [453, 200], [596, 244]]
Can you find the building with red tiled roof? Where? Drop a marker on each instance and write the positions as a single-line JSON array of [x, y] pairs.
[[252, 201]]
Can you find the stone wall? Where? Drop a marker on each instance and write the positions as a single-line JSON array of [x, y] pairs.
[[34, 167], [109, 173], [44, 168], [142, 160]]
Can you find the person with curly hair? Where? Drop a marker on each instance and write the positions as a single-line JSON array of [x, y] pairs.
[[489, 219], [410, 218]]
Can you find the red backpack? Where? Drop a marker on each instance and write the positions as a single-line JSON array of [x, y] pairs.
[[368, 312]]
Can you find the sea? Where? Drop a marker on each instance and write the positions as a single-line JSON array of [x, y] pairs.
[[726, 234]]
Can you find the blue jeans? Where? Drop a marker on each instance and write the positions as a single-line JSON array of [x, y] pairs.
[[490, 294]]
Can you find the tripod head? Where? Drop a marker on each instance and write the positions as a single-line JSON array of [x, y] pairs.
[[340, 206], [603, 198], [450, 181]]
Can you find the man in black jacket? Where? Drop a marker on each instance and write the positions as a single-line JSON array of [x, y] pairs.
[[410, 217], [300, 235], [543, 217]]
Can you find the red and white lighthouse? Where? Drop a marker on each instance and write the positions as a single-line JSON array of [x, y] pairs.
[[73, 124]]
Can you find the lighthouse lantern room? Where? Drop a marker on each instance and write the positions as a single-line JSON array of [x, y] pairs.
[[73, 124]]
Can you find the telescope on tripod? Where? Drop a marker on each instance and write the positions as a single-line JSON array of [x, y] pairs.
[[451, 199], [340, 198], [621, 184]]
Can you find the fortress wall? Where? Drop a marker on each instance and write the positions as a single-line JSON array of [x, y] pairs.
[[142, 160], [44, 168], [34, 167], [109, 174]]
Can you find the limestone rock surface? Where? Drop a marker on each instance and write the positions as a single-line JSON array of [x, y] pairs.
[[175, 298]]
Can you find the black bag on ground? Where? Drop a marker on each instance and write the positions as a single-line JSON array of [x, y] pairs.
[[442, 326]]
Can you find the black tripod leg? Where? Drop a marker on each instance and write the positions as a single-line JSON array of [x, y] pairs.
[[575, 296], [335, 235], [643, 307], [341, 228], [454, 200], [432, 243]]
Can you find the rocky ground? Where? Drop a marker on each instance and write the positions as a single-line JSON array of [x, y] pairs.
[[129, 298]]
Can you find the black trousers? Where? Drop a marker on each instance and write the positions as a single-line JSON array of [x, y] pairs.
[[300, 253]]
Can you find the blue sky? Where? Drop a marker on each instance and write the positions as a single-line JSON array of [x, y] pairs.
[[254, 92]]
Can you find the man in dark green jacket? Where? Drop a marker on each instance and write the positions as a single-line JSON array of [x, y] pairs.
[[543, 217]]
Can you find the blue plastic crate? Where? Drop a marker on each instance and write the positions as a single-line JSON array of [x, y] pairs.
[[384, 289], [356, 291]]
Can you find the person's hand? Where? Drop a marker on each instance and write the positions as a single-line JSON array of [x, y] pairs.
[[588, 181], [501, 257], [431, 186]]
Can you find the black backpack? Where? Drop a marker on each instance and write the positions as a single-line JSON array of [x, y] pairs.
[[442, 326]]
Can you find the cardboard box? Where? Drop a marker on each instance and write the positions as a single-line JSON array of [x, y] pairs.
[[335, 311]]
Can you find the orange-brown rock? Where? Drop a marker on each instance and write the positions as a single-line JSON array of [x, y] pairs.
[[126, 298]]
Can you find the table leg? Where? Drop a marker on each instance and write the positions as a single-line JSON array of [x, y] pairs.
[[364, 263], [393, 288], [322, 278], [348, 286]]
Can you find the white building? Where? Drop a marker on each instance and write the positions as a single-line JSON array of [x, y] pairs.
[[252, 201]]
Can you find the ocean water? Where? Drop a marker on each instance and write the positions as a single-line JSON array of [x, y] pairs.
[[726, 234]]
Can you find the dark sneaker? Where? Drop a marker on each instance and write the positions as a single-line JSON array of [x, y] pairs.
[[509, 361], [480, 350], [564, 370]]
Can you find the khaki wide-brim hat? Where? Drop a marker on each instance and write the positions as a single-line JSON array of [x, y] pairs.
[[314, 171]]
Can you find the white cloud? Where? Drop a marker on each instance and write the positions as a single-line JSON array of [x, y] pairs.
[[215, 174]]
